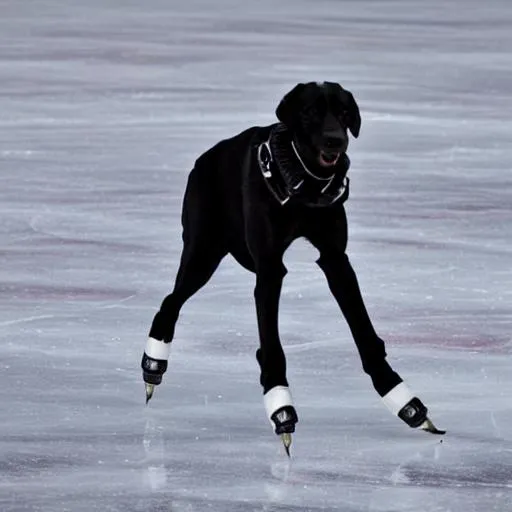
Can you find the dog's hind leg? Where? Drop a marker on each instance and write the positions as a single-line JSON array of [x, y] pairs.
[[198, 263], [203, 250]]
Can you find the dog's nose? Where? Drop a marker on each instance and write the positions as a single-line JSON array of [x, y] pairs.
[[333, 143]]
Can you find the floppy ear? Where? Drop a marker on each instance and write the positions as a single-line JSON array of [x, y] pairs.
[[348, 101], [289, 106], [353, 114]]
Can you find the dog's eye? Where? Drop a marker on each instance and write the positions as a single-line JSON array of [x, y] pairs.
[[311, 112], [309, 117]]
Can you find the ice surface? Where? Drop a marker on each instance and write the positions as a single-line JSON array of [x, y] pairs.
[[104, 106]]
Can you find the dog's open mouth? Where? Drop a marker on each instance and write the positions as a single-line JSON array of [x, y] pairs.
[[328, 159]]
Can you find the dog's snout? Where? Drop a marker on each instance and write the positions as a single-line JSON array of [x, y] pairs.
[[333, 138], [333, 143]]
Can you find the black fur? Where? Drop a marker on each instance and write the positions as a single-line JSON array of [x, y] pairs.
[[228, 209]]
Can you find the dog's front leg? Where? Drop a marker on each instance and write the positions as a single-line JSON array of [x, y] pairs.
[[396, 395], [343, 284], [270, 355]]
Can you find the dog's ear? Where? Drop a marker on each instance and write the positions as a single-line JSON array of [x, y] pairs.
[[354, 115], [289, 106], [347, 100]]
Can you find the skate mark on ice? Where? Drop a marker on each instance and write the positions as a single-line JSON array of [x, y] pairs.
[[43, 292], [453, 466], [18, 465], [282, 466], [88, 239], [25, 320], [399, 475], [119, 303], [497, 431], [71, 316], [154, 448], [387, 498], [308, 345], [474, 342]]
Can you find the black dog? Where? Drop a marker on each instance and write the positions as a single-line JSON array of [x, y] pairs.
[[251, 196]]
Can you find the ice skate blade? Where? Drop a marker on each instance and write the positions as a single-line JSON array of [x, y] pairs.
[[150, 388], [287, 442], [428, 426]]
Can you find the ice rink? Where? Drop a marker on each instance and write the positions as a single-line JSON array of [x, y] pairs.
[[104, 106]]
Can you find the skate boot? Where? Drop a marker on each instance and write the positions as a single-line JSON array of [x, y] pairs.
[[154, 364], [281, 413], [409, 408]]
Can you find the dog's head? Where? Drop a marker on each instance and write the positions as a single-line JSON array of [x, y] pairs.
[[318, 115]]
